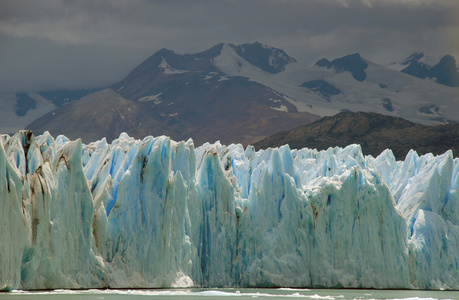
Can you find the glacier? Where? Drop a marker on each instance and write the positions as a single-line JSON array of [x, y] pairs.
[[158, 213]]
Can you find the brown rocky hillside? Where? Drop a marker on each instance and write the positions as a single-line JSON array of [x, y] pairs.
[[374, 132]]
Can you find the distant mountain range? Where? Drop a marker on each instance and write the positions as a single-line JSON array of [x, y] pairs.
[[238, 94], [374, 132]]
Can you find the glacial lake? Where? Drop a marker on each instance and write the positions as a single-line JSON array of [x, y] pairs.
[[220, 294]]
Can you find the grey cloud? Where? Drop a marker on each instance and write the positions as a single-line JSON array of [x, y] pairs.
[[58, 43]]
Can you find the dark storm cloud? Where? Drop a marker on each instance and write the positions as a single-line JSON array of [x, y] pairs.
[[51, 44]]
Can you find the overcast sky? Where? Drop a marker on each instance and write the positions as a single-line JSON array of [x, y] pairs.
[[50, 44]]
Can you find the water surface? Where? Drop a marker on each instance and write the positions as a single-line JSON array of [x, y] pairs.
[[224, 294]]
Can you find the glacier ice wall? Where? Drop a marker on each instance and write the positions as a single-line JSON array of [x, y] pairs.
[[160, 213]]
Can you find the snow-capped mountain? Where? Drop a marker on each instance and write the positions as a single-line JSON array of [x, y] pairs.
[[250, 91], [352, 83], [190, 96]]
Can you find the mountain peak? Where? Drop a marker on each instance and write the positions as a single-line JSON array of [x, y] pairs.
[[416, 56], [209, 53], [154, 61], [164, 52], [354, 56], [352, 63], [448, 60], [267, 58], [444, 72]]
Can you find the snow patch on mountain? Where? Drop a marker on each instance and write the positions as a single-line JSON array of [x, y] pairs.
[[10, 122], [281, 108], [168, 70], [154, 98]]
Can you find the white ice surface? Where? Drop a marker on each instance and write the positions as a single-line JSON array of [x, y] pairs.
[[160, 213]]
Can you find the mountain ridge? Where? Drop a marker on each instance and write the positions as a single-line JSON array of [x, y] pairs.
[[373, 132]]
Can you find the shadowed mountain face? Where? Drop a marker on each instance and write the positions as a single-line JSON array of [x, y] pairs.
[[374, 132], [352, 63], [183, 96], [269, 59], [323, 88], [24, 103], [415, 67], [444, 72]]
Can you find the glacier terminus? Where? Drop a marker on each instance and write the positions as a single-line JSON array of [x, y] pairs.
[[157, 213]]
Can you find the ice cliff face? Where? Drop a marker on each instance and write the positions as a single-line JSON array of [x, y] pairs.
[[157, 213]]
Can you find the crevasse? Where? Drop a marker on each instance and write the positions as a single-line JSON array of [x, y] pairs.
[[160, 213]]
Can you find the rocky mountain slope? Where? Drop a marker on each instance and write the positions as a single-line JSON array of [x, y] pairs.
[[374, 132], [101, 112]]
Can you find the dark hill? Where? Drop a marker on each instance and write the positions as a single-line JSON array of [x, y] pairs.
[[374, 132]]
